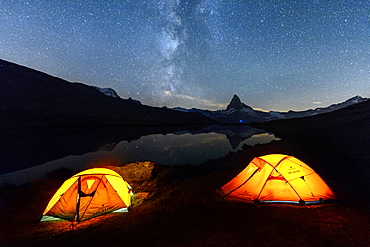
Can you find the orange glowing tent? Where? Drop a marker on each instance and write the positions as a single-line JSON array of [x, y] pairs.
[[278, 178], [89, 194]]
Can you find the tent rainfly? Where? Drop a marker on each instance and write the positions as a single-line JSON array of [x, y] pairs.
[[278, 178], [89, 194]]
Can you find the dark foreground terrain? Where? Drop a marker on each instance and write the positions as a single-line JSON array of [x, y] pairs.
[[178, 211], [181, 206]]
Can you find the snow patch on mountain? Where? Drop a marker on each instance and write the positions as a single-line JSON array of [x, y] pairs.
[[108, 91], [275, 114]]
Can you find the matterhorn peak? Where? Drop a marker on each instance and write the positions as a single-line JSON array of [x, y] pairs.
[[236, 103]]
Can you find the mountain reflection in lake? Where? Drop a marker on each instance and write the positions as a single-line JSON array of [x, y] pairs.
[[169, 147]]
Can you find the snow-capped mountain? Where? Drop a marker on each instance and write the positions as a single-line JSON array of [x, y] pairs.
[[112, 93], [333, 107], [108, 91], [238, 112]]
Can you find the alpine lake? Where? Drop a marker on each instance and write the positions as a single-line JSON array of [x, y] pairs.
[[32, 154]]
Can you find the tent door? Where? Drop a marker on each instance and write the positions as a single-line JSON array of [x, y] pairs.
[[87, 186]]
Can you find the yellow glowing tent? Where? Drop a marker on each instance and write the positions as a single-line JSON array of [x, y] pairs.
[[278, 178], [89, 194]]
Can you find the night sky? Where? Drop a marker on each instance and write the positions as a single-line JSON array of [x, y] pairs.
[[275, 55]]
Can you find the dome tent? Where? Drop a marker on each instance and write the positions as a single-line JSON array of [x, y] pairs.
[[89, 194], [278, 178]]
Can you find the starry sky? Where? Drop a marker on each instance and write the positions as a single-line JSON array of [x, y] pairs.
[[274, 54]]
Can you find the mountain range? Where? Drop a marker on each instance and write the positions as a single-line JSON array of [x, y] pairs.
[[238, 112], [29, 98]]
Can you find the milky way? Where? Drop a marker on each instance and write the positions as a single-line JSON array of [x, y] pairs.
[[275, 55]]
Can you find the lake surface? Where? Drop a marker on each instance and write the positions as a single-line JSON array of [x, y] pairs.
[[32, 157]]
